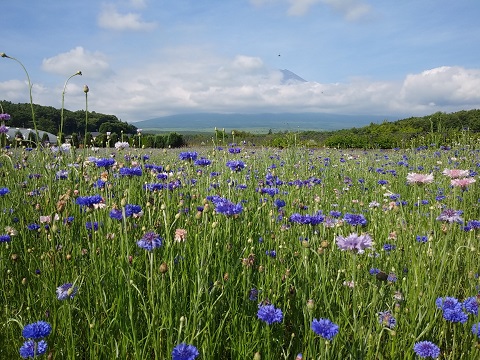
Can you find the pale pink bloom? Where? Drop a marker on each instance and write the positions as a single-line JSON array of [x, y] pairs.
[[462, 183], [455, 173], [416, 178], [45, 219], [180, 235], [355, 243]]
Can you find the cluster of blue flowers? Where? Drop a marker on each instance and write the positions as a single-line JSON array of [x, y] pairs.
[[307, 219], [236, 165], [184, 352], [89, 201], [135, 171], [35, 345], [355, 219], [188, 155], [224, 206], [130, 210], [105, 163], [455, 311], [202, 162]]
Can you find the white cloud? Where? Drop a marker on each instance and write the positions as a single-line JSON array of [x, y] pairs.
[[110, 18], [91, 64], [351, 10], [443, 86]]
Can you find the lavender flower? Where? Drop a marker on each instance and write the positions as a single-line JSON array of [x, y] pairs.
[[354, 242], [386, 318], [451, 216], [66, 291]]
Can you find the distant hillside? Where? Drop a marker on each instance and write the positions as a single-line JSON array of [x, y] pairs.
[[259, 123]]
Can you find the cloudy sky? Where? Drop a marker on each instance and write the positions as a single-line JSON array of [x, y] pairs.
[[147, 58]]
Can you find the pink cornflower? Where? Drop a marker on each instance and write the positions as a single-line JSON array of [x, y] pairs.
[[455, 173], [180, 235], [420, 179], [462, 183]]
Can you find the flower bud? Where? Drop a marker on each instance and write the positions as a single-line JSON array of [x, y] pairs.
[[85, 89]]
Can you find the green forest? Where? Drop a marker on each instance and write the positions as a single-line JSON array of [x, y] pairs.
[[439, 128]]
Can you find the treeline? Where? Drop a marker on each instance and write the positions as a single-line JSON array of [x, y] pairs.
[[96, 129], [439, 128], [48, 119]]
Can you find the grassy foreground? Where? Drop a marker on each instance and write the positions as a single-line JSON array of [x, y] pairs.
[[169, 247]]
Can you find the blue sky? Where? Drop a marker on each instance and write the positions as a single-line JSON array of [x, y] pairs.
[[147, 58]]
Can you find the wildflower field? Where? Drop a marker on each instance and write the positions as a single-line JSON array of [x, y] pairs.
[[240, 253]]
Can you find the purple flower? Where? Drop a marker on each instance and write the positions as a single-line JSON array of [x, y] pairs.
[[354, 242], [33, 349], [451, 216], [3, 129], [471, 305], [184, 352], [150, 241], [89, 201], [66, 291], [325, 328], [4, 117], [4, 191], [269, 314], [386, 318], [132, 210], [426, 349]]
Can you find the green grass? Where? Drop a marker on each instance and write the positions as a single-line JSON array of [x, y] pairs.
[[136, 304]]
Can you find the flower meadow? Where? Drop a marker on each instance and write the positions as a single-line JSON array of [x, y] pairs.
[[256, 253]]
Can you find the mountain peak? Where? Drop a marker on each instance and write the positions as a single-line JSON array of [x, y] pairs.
[[291, 77]]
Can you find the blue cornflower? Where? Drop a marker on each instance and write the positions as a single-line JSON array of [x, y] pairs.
[[448, 302], [184, 352], [4, 191], [389, 247], [471, 305], [33, 227], [271, 253], [66, 291], [253, 294], [392, 277], [150, 241], [33, 349], [136, 171], [382, 182], [335, 214], [236, 165], [5, 238], [455, 315], [270, 314], [37, 330], [476, 329], [279, 203], [355, 219], [270, 191], [202, 162], [188, 155], [226, 207], [234, 150], [451, 216], [325, 328], [386, 318], [131, 210], [374, 271], [106, 163], [89, 201], [422, 238], [116, 214], [426, 349], [61, 175]]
